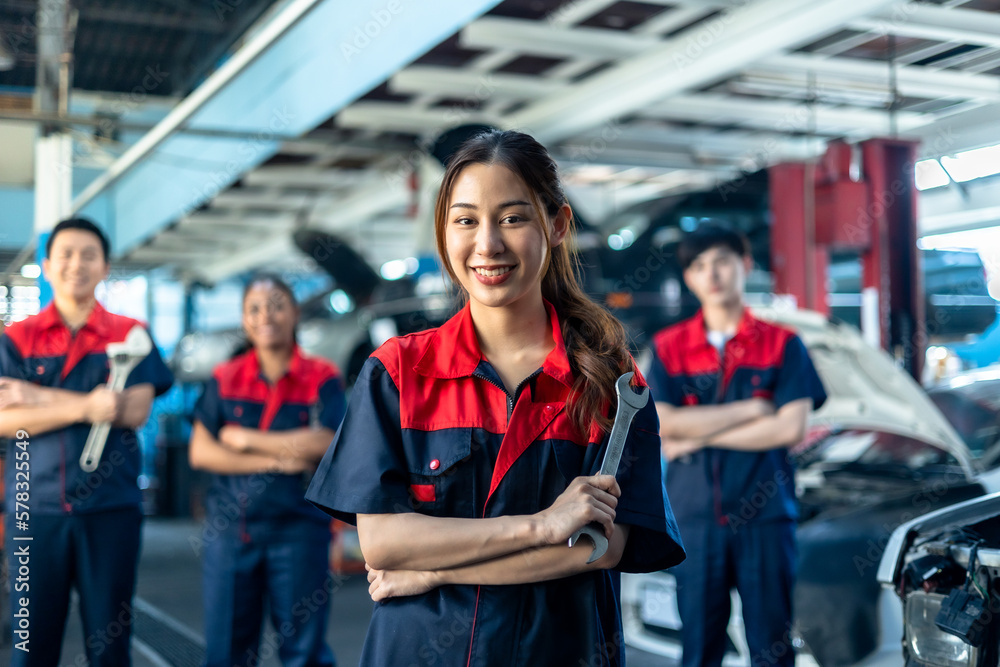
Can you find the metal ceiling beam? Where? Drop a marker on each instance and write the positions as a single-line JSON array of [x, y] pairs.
[[255, 220], [912, 80], [943, 24], [208, 23], [704, 143], [972, 128], [263, 199], [544, 39], [571, 155], [742, 36], [307, 177], [781, 116], [392, 116], [476, 87]]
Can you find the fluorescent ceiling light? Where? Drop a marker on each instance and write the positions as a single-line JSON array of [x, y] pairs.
[[968, 165], [31, 271], [930, 174]]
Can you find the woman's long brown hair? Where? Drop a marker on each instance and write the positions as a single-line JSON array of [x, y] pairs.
[[595, 341]]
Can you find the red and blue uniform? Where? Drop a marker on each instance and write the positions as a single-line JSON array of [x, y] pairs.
[[736, 509], [262, 539], [85, 526], [431, 429]]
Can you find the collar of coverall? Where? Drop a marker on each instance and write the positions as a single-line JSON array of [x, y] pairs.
[[744, 330], [452, 351], [253, 364], [97, 320]]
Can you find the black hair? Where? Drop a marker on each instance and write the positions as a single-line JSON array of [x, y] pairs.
[[710, 235], [82, 224], [275, 281]]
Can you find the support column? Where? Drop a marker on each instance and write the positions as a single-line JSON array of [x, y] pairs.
[[53, 149], [799, 266], [891, 267], [53, 195]]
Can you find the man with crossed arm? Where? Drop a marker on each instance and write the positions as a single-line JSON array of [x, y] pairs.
[[84, 527], [732, 393]]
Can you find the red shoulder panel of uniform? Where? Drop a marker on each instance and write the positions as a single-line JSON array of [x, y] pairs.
[[22, 334], [318, 369], [672, 343], [764, 344], [401, 352], [118, 326], [237, 378]]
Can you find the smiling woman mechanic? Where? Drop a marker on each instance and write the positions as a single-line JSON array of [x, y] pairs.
[[467, 453], [265, 419]]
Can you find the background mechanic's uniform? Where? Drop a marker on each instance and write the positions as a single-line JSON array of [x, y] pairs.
[[736, 510], [86, 526], [262, 538], [431, 429]]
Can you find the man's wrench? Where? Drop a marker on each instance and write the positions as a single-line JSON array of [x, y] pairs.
[[124, 357], [629, 403]]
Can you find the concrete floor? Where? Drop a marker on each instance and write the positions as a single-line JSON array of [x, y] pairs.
[[169, 589]]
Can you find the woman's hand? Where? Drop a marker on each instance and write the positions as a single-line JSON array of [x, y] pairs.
[[585, 500], [385, 584], [235, 438]]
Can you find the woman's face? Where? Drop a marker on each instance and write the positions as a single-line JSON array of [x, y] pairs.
[[494, 237], [269, 316]]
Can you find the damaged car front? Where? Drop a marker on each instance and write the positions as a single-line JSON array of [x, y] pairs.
[[945, 569]]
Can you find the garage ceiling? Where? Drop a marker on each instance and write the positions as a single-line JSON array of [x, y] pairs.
[[636, 99]]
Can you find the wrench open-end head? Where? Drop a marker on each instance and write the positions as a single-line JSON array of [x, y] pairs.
[[596, 535], [625, 393], [629, 403], [123, 356]]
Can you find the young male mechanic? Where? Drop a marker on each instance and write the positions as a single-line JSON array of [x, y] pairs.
[[83, 527], [732, 392]]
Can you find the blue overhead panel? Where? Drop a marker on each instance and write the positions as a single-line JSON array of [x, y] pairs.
[[337, 52]]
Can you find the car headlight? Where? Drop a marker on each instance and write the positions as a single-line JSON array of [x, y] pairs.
[[927, 643]]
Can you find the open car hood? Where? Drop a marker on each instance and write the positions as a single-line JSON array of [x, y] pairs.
[[865, 389]]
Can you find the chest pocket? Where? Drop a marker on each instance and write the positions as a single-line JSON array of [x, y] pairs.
[[442, 471], [44, 371]]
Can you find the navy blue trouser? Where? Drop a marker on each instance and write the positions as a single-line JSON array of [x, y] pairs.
[[759, 561], [96, 553], [290, 575]]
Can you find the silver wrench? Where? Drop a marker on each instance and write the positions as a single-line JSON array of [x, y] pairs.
[[629, 403], [124, 357]]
